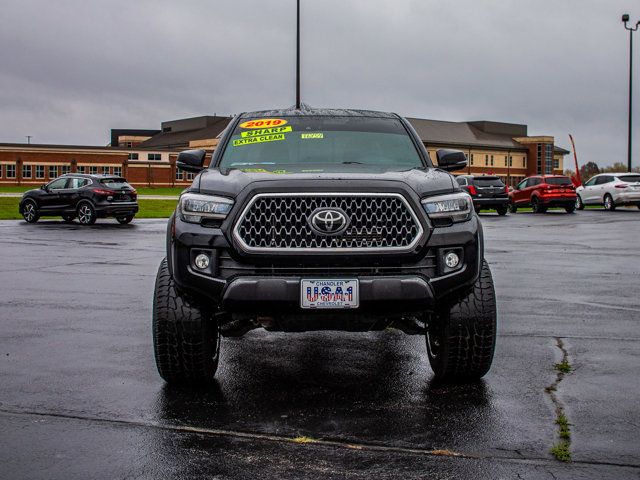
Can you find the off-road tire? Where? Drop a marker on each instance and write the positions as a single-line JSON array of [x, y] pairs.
[[461, 340], [608, 203], [579, 204], [86, 213], [570, 209], [30, 211], [124, 220], [186, 340], [502, 210]]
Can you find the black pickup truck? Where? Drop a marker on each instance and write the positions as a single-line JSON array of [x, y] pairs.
[[311, 219]]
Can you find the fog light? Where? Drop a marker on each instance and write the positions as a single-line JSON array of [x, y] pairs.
[[451, 260], [202, 261]]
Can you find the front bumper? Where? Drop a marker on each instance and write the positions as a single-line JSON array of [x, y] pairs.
[[269, 284]]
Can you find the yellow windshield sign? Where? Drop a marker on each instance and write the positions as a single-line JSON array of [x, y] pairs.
[[260, 139], [265, 131], [264, 123]]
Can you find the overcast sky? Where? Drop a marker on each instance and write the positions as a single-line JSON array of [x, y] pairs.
[[70, 70]]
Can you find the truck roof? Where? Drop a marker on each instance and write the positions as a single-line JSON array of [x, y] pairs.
[[305, 110]]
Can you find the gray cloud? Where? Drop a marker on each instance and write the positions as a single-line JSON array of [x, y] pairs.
[[71, 70]]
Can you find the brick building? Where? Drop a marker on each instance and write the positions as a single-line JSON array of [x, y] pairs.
[[148, 157]]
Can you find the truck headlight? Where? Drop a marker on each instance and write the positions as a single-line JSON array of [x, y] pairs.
[[193, 207], [456, 207]]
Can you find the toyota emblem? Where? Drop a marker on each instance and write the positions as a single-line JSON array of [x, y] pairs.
[[328, 221]]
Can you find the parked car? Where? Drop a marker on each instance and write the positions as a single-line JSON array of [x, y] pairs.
[[86, 197], [487, 191], [610, 190], [323, 220], [542, 192]]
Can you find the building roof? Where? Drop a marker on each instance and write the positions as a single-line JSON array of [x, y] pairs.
[[472, 134], [118, 132], [178, 133], [55, 146]]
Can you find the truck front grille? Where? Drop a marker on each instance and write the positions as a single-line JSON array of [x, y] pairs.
[[281, 222]]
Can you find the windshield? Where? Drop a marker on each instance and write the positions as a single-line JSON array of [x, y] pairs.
[[488, 182], [115, 183], [630, 178], [557, 181], [318, 144]]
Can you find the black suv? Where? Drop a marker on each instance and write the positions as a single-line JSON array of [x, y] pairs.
[[86, 197], [323, 220], [487, 191]]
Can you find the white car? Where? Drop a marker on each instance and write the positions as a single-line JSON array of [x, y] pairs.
[[610, 190]]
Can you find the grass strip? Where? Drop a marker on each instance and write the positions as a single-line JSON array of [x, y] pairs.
[[148, 208]]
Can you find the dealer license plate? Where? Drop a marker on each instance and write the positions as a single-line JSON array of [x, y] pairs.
[[329, 293]]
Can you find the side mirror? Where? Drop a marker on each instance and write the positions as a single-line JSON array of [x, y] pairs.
[[191, 160], [43, 187], [451, 160]]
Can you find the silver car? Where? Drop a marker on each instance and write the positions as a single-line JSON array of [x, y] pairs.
[[610, 190]]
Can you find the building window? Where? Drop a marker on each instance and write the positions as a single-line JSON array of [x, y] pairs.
[[486, 160], [0, 171], [524, 162], [26, 171], [105, 170], [93, 170], [548, 160], [81, 169], [128, 144], [190, 175], [539, 159], [492, 160], [133, 156], [53, 172], [556, 163], [472, 159], [39, 171], [65, 169], [10, 171], [117, 171], [179, 175], [153, 156]]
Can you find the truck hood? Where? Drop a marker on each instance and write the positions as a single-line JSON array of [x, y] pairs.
[[232, 183]]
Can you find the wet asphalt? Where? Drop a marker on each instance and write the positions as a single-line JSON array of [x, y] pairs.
[[80, 396]]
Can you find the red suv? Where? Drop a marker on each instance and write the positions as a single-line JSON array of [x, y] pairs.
[[544, 191]]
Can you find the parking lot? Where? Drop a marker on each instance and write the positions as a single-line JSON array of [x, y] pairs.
[[80, 396]]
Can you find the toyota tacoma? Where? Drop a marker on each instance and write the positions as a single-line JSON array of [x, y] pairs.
[[310, 219]]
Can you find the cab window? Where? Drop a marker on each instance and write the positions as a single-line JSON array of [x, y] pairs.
[[592, 181], [58, 184], [461, 181], [522, 184], [77, 182], [532, 182]]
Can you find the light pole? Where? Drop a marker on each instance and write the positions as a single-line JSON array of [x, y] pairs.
[[625, 20], [298, 55]]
